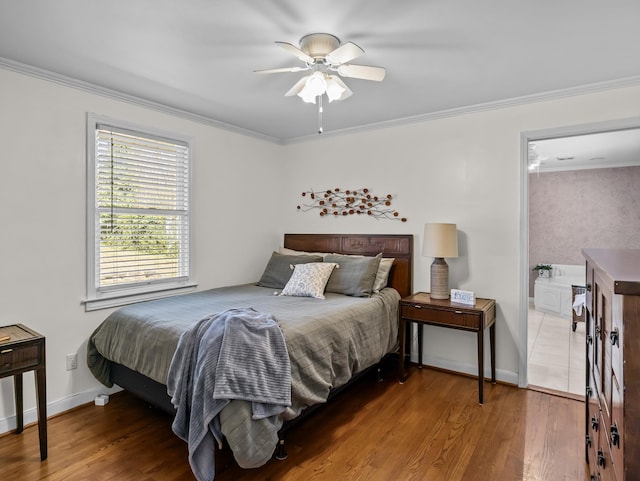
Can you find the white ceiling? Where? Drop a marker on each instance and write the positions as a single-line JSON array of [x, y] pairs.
[[619, 148], [441, 56]]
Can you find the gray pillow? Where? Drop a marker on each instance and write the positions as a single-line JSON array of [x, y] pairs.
[[278, 270], [354, 276], [382, 277]]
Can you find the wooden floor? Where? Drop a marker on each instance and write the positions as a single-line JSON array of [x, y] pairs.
[[429, 428]]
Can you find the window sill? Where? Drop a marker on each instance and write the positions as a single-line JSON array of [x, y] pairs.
[[117, 299]]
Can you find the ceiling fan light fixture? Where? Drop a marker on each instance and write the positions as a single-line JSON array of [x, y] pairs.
[[315, 85], [307, 97], [334, 89]]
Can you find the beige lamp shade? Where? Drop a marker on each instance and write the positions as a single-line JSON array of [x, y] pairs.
[[440, 240]]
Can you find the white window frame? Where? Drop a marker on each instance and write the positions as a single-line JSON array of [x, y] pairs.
[[113, 296]]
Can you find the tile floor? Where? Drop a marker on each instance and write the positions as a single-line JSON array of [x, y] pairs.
[[556, 356]]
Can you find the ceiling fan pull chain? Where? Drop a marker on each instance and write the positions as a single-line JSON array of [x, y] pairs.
[[320, 109]]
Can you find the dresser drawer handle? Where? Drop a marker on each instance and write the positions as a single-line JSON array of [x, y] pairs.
[[6, 351], [601, 458], [417, 306], [615, 336], [594, 423], [615, 436], [458, 312]]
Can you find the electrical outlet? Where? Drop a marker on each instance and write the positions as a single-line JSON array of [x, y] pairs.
[[72, 361]]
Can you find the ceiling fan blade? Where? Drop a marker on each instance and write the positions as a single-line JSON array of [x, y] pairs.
[[296, 51], [297, 87], [282, 70], [365, 72], [344, 53]]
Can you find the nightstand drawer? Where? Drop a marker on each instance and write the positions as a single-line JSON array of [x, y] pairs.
[[12, 358], [455, 318]]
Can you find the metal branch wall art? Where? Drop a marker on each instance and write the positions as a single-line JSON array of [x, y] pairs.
[[350, 202]]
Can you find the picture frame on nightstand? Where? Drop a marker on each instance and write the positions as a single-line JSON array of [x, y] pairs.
[[463, 297]]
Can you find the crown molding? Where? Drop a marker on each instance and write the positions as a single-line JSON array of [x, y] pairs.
[[495, 105], [131, 99], [441, 114]]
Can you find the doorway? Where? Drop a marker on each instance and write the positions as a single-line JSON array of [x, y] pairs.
[[568, 173]]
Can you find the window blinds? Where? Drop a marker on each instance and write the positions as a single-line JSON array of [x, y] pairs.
[[142, 208]]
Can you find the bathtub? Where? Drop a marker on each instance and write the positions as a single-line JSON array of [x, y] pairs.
[[553, 294]]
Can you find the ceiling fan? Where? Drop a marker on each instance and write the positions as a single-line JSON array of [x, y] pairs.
[[325, 56]]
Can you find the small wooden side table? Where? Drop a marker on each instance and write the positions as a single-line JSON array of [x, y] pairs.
[[421, 309], [22, 350]]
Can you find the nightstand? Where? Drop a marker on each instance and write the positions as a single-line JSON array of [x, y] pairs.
[[421, 309], [23, 350]]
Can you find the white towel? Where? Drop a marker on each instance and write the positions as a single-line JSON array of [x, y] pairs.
[[579, 303]]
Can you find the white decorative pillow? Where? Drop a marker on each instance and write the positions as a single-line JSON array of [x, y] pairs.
[[382, 276], [309, 280]]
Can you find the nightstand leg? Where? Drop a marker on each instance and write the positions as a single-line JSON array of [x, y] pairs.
[[420, 340], [41, 395], [17, 390], [480, 366], [402, 331], [492, 343]]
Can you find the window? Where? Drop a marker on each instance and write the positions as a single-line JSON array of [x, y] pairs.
[[138, 214]]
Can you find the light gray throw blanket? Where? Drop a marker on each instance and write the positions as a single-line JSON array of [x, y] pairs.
[[235, 354]]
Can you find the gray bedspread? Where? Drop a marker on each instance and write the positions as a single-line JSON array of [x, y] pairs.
[[328, 342]]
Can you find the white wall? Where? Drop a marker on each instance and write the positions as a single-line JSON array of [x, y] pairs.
[[463, 169], [42, 212]]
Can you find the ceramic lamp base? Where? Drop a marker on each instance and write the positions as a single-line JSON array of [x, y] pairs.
[[439, 279]]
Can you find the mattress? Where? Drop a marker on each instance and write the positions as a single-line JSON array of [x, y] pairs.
[[328, 340]]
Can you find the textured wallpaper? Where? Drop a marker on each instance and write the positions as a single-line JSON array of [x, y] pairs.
[[582, 208]]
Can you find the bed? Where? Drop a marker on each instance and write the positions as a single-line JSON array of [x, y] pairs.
[[345, 335]]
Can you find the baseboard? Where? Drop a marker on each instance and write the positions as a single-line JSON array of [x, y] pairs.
[[555, 392], [56, 407], [507, 377]]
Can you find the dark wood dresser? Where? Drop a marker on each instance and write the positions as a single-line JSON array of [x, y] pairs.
[[613, 363]]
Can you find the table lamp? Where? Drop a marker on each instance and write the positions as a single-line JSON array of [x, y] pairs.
[[440, 241]]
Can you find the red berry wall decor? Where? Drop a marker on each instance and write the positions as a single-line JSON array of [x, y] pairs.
[[350, 202]]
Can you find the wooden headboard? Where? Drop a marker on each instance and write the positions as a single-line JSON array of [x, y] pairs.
[[398, 246]]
